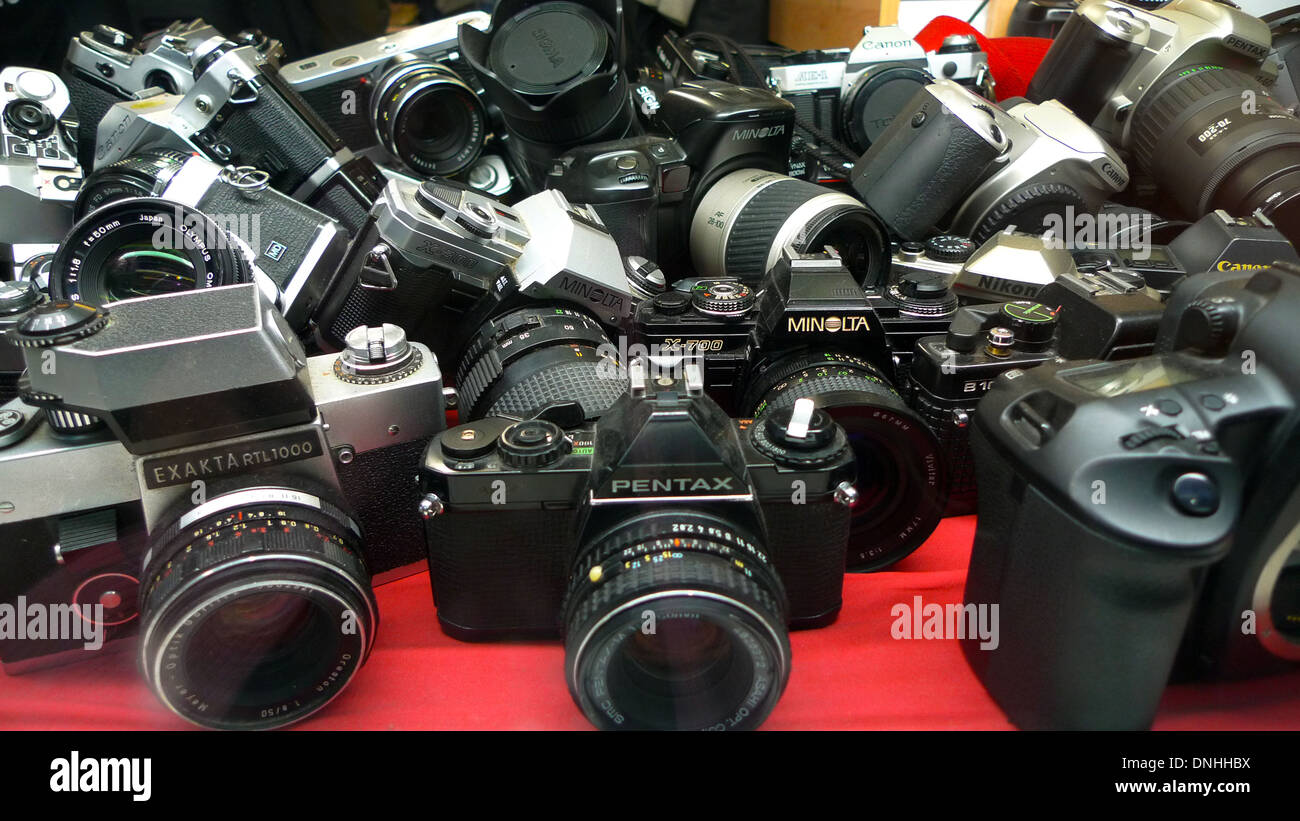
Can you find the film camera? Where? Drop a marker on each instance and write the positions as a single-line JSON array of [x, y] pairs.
[[163, 221], [1167, 486], [105, 66], [404, 97], [239, 507], [665, 511], [39, 174], [811, 331]]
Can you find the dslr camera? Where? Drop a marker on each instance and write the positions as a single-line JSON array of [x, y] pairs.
[[244, 494], [105, 66], [1130, 509], [39, 173], [953, 161], [404, 97], [661, 543], [811, 331], [129, 242]]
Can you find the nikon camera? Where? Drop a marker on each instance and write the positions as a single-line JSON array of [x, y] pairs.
[[670, 546], [243, 494], [1130, 508]]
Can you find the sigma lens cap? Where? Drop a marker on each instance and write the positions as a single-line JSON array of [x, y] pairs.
[[57, 322], [546, 46]]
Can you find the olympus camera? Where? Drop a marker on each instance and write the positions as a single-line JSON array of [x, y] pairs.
[[811, 331], [243, 494], [127, 244], [403, 96], [105, 66], [39, 173], [955, 162], [661, 543], [241, 111], [1130, 508]]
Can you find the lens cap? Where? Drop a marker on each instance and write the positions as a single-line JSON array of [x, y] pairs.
[[547, 46]]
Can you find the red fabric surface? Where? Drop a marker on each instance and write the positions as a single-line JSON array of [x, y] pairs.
[[851, 675], [1012, 60]]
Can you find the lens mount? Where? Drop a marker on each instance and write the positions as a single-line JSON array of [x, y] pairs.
[[428, 118], [146, 174]]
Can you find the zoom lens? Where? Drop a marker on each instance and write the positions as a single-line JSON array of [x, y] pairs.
[[521, 362], [900, 477], [146, 174], [428, 118], [145, 247], [1213, 138], [256, 608], [695, 639], [748, 216]]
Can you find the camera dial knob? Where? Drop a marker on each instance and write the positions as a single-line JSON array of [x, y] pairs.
[[376, 354], [722, 297], [802, 435], [16, 297], [57, 323], [923, 293], [533, 443], [112, 37], [1030, 322], [949, 248], [672, 303], [1209, 325]]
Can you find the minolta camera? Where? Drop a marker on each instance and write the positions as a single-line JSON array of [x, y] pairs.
[[1130, 509], [39, 173], [241, 111], [952, 161], [405, 96], [809, 330], [178, 469], [292, 250], [670, 545], [105, 66], [433, 252], [1110, 54]]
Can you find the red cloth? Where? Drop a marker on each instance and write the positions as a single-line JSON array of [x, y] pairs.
[[1012, 60], [851, 675]]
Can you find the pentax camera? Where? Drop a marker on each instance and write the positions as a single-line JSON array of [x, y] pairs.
[[404, 96], [955, 162], [105, 66], [39, 174], [127, 243], [1130, 509], [811, 331], [244, 495], [241, 111], [664, 544]]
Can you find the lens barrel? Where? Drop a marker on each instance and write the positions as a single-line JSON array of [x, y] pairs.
[[900, 468], [427, 117], [146, 174]]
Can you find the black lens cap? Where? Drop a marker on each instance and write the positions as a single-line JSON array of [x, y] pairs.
[[547, 46], [57, 322]]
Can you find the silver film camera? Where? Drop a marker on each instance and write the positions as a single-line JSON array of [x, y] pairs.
[[234, 511], [39, 173]]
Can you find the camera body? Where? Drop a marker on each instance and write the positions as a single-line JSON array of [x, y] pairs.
[[261, 430], [241, 111], [296, 251], [955, 162], [17, 297], [1191, 451], [368, 94], [1109, 54], [39, 173], [105, 66]]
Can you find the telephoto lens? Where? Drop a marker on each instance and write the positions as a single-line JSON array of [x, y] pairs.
[[145, 247], [523, 361], [256, 608], [555, 70], [427, 117], [748, 216], [1213, 138], [900, 496]]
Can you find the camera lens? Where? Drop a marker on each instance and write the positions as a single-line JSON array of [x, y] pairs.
[[140, 175], [145, 247], [428, 117], [694, 638], [748, 216], [256, 608], [900, 479], [525, 360], [1214, 139]]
